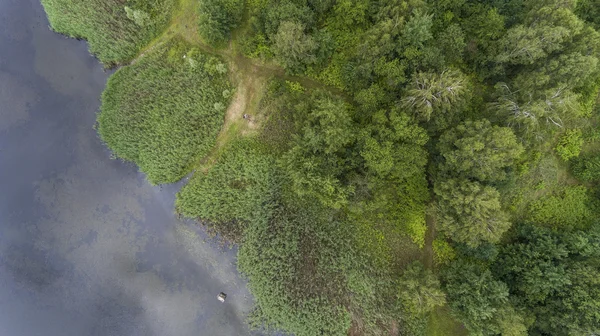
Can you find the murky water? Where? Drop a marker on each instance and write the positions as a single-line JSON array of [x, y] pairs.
[[87, 247]]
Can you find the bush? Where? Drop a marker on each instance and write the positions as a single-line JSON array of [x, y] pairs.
[[165, 111], [443, 253], [569, 145], [569, 209], [587, 169], [217, 18], [115, 30]]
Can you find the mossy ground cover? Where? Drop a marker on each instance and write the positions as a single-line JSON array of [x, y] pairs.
[[116, 30], [164, 112]]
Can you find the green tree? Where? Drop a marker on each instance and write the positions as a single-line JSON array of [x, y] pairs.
[[548, 27], [392, 145], [293, 48], [589, 10], [587, 168], [475, 297], [533, 113], [555, 276], [469, 212], [217, 18], [575, 309], [419, 290], [316, 160], [452, 43], [476, 149], [568, 209], [534, 265], [431, 92]]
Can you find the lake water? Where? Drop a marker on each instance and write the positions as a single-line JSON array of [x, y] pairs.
[[87, 246]]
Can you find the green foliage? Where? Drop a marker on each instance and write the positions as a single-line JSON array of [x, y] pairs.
[[569, 209], [429, 93], [329, 199], [164, 111], [234, 189], [587, 169], [480, 301], [293, 48], [115, 30], [217, 18], [569, 145], [392, 152], [309, 270], [589, 10], [534, 264], [442, 323], [392, 145], [553, 57], [419, 290], [554, 276], [534, 116], [286, 257], [314, 162], [469, 212], [443, 253], [476, 149]]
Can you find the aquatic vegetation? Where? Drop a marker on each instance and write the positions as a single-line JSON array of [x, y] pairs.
[[164, 112], [234, 190], [115, 30]]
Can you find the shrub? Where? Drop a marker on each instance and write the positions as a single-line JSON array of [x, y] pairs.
[[443, 253], [569, 209], [587, 169], [217, 18], [161, 111], [569, 145]]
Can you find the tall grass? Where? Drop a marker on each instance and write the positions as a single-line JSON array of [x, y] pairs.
[[164, 112], [234, 190], [115, 29]]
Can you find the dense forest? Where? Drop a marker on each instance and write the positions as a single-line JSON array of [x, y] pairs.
[[388, 167]]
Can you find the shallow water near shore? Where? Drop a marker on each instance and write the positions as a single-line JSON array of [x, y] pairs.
[[87, 246]]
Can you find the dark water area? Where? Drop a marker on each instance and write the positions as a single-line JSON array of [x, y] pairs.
[[87, 246]]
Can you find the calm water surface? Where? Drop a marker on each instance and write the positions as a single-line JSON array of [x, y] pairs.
[[87, 247]]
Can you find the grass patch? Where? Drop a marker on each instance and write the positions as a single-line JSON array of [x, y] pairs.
[[116, 30], [164, 112], [441, 323]]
